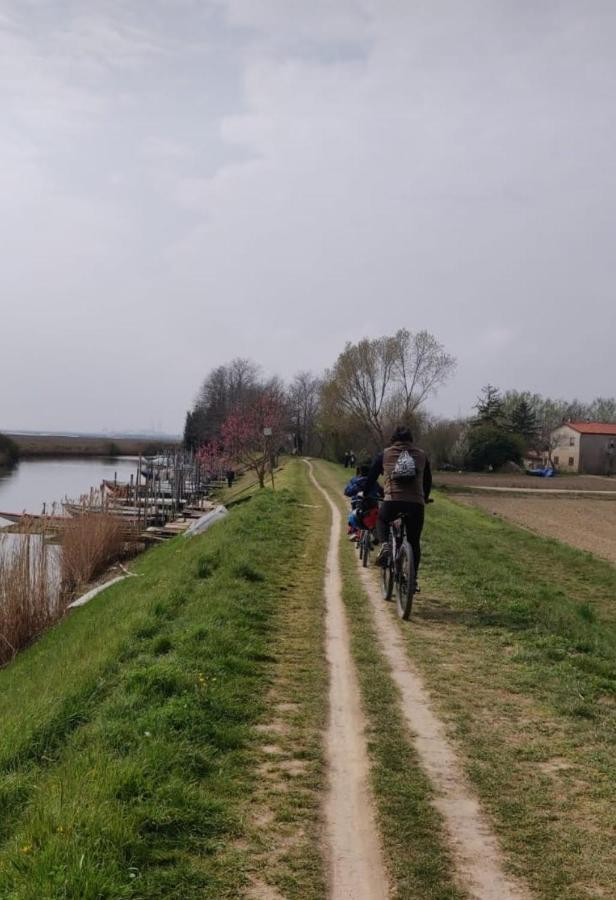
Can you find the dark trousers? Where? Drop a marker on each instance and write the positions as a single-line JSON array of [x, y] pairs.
[[413, 515]]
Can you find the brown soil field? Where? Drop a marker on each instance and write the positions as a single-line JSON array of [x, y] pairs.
[[450, 480], [584, 523], [85, 445]]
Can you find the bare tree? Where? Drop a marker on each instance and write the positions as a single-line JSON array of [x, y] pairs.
[[231, 386], [303, 394], [361, 380], [378, 381], [421, 366]]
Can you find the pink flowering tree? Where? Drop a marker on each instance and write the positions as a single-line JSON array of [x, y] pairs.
[[252, 435], [213, 458]]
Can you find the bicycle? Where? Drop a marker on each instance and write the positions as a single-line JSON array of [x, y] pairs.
[[400, 570]]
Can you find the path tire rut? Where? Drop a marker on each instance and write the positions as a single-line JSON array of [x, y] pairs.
[[357, 871], [476, 851]]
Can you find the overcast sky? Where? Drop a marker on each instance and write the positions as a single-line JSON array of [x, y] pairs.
[[183, 181]]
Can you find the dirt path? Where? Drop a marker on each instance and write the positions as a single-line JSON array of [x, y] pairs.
[[476, 852], [477, 855], [356, 865]]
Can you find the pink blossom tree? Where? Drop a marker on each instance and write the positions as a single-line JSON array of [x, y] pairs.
[[213, 458], [252, 435]]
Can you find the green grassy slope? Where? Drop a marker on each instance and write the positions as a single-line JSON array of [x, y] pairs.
[[128, 747]]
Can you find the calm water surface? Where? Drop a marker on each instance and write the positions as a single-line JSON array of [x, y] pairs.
[[37, 481]]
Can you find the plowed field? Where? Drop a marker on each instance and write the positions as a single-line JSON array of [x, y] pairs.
[[589, 524]]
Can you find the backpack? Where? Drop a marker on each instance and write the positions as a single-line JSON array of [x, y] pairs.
[[405, 468]]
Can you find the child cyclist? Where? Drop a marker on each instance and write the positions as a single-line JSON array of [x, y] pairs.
[[365, 504]]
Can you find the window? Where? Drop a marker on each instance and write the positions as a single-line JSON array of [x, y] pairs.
[[571, 461], [555, 460], [572, 442]]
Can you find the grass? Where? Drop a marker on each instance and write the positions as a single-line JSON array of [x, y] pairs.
[[285, 811], [129, 746], [515, 636], [414, 842]]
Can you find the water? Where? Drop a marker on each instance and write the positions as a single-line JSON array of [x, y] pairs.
[[36, 481]]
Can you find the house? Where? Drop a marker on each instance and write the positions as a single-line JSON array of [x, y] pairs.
[[585, 447]]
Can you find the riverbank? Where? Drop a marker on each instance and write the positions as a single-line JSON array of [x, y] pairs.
[[35, 445]]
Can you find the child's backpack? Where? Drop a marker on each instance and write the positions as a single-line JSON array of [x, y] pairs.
[[405, 468]]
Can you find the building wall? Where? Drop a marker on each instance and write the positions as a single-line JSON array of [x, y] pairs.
[[566, 452], [598, 454]]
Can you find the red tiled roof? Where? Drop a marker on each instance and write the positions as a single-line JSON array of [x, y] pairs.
[[593, 427]]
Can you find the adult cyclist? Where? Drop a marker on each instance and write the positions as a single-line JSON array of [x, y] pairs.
[[405, 496]]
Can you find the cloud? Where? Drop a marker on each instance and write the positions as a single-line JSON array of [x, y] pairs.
[[185, 182]]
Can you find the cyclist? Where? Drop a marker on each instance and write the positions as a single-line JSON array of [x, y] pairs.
[[404, 496]]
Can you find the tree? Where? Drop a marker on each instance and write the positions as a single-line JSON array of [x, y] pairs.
[[602, 409], [522, 419], [228, 387], [489, 445], [421, 365], [252, 436], [441, 439], [383, 380], [490, 407], [303, 394], [214, 458]]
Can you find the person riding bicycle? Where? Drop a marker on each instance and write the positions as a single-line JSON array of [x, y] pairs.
[[408, 482], [364, 502]]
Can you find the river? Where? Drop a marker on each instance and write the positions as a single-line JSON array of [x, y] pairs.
[[36, 481]]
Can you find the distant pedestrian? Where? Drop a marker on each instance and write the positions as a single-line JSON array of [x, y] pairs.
[[347, 459], [352, 459], [230, 475]]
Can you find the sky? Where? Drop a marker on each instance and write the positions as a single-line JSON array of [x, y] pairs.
[[185, 181]]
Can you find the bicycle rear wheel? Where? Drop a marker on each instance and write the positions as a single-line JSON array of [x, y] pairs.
[[366, 546], [406, 580]]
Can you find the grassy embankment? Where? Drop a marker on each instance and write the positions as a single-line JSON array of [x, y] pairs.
[[132, 757], [516, 638]]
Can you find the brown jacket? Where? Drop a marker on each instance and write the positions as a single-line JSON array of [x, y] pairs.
[[411, 490]]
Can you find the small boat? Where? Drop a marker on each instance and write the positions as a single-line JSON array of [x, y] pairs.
[[17, 517]]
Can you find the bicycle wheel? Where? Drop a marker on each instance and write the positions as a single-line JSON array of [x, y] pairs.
[[366, 548], [359, 545], [387, 579], [406, 580]]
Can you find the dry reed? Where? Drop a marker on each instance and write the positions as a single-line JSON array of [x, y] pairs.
[[38, 580], [30, 599], [90, 543]]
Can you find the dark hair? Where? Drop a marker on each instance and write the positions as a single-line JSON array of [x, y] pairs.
[[363, 470], [401, 434]]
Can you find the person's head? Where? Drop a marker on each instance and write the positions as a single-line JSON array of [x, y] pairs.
[[401, 435], [363, 470]]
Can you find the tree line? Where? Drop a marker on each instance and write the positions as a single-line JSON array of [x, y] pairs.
[[511, 426], [241, 417]]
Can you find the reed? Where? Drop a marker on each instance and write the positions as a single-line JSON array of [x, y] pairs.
[[90, 543], [30, 599]]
